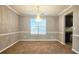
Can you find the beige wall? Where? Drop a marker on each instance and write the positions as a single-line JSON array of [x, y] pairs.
[[76, 29], [8, 27], [52, 28]]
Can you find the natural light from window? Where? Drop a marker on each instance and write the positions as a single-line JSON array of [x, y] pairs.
[[38, 27]]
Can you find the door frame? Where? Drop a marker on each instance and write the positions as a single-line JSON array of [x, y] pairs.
[[71, 11]]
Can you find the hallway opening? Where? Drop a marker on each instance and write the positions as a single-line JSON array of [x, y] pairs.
[[69, 29]]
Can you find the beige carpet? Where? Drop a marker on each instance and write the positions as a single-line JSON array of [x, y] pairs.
[[39, 48]]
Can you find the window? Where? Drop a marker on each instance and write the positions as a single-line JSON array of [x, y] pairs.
[[38, 27]]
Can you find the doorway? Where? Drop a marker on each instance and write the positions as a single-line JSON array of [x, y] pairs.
[[68, 28]]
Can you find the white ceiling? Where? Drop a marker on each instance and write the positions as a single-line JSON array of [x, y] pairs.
[[48, 10]]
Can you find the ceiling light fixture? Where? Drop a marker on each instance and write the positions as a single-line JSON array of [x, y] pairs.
[[38, 18]]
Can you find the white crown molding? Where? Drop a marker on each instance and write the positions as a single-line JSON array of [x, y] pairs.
[[24, 15], [65, 9], [12, 9]]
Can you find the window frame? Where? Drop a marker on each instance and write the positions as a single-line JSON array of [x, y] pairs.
[[38, 26]]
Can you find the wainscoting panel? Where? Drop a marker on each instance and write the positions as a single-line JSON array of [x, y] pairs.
[[7, 40], [33, 37], [76, 43]]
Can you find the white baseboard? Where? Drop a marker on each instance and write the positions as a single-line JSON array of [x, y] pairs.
[[8, 46], [61, 42], [38, 40], [75, 51]]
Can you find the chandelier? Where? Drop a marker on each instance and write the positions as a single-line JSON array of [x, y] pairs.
[[38, 18]]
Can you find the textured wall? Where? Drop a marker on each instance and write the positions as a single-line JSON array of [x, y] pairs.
[[51, 28], [8, 27]]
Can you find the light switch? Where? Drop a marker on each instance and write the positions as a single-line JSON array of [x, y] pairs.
[[73, 28]]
